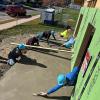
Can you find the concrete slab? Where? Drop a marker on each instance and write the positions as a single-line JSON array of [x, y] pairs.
[[37, 72]]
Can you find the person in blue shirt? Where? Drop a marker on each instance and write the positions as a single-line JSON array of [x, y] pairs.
[[69, 43], [68, 79]]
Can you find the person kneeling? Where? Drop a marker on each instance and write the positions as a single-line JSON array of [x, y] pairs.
[[32, 41], [15, 54]]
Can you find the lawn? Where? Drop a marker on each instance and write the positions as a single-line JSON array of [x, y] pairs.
[[35, 13], [67, 16], [32, 26], [36, 26], [6, 21]]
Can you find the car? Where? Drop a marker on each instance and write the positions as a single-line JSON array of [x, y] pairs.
[[15, 10], [2, 7]]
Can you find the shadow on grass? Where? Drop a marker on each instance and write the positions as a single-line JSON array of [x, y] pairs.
[[28, 61]]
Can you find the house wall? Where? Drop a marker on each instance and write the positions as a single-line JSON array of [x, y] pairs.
[[96, 5], [87, 87]]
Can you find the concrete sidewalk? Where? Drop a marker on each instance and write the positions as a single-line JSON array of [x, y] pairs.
[[17, 22], [29, 77]]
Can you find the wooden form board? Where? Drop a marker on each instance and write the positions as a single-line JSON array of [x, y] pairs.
[[39, 47]]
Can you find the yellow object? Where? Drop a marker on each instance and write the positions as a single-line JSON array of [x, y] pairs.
[[64, 34]]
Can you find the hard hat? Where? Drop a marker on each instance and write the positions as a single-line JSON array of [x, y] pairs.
[[61, 79], [21, 46]]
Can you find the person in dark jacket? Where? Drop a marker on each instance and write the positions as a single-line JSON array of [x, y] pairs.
[[68, 79], [46, 35], [32, 41], [16, 54]]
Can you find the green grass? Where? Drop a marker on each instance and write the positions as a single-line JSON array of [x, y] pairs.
[[35, 25], [35, 13], [32, 26], [7, 21], [72, 14]]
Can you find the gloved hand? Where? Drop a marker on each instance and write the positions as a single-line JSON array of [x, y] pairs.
[[18, 58], [40, 94], [43, 94]]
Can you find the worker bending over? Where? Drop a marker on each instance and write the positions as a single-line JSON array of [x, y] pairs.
[[15, 54], [32, 41], [68, 79], [46, 35]]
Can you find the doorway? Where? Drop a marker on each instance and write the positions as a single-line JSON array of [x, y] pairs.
[[85, 44], [78, 26]]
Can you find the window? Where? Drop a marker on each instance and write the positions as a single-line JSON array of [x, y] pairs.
[[85, 45]]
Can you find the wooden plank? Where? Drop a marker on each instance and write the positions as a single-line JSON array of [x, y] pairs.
[[39, 47], [64, 40]]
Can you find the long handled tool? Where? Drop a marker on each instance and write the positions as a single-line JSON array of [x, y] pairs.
[[39, 47]]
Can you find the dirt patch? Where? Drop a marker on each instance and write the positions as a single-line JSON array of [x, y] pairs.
[[6, 47]]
